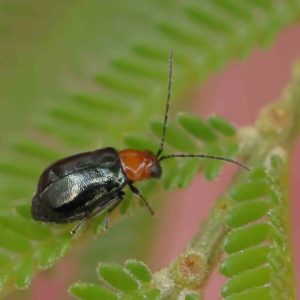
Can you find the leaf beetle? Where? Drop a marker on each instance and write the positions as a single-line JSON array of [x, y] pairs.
[[82, 186]]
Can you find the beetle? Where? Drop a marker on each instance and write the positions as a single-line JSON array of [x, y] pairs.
[[82, 186]]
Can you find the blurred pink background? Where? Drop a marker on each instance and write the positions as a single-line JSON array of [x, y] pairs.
[[237, 93]]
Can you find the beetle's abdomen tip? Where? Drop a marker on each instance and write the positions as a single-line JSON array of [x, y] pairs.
[[36, 212]]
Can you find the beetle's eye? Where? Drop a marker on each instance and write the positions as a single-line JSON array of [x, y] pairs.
[[156, 172]]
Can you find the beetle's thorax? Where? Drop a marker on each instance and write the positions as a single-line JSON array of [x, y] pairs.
[[140, 165]]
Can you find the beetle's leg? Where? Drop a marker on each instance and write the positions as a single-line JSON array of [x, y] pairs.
[[106, 221], [138, 193], [114, 201]]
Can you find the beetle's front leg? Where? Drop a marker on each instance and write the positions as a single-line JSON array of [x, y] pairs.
[[138, 193]]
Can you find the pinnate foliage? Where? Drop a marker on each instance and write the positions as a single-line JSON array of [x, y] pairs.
[[204, 38], [251, 244]]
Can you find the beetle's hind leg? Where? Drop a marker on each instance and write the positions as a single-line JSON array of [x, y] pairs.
[[112, 202]]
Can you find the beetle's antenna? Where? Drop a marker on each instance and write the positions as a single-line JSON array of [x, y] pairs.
[[167, 106], [205, 156], [165, 128]]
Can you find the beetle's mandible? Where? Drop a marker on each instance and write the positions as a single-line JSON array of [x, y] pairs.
[[82, 186]]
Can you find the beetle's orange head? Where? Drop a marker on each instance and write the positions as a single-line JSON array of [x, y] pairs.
[[140, 165]]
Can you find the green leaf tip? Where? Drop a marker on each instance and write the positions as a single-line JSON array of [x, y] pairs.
[[221, 125], [25, 274], [196, 127], [117, 277], [250, 190], [245, 213], [139, 270], [244, 260], [276, 162], [240, 239], [247, 280]]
